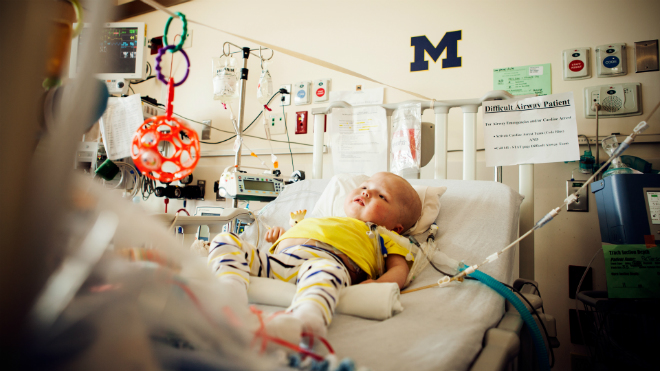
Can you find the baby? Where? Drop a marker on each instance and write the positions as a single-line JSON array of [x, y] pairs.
[[322, 255]]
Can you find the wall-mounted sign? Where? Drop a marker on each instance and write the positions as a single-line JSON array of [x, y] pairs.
[[534, 79], [530, 130], [424, 46]]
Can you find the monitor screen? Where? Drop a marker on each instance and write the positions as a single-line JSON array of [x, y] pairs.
[[259, 186], [117, 48]]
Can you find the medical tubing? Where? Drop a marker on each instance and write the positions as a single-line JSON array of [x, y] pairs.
[[537, 338], [548, 217]]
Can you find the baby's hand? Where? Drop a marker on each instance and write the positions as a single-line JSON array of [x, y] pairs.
[[368, 281], [274, 233]]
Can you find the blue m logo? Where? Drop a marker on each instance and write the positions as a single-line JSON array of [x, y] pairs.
[[422, 44]]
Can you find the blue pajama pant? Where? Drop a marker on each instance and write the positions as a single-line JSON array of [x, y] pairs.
[[318, 274]]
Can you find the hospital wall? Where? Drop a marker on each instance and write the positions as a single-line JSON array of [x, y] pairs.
[[373, 38]]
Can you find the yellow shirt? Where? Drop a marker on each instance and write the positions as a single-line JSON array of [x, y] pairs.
[[347, 235]]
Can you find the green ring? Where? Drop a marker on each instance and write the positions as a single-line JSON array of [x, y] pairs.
[[179, 45]]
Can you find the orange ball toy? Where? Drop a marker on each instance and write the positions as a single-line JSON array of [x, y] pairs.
[[165, 149]]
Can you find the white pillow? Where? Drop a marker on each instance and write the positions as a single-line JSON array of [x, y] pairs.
[[331, 202]]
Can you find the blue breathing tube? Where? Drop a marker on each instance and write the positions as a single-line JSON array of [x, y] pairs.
[[537, 338]]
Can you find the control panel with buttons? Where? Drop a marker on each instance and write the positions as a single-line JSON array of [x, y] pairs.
[[253, 187]]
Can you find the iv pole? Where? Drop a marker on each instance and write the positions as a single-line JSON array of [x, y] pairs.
[[241, 107]]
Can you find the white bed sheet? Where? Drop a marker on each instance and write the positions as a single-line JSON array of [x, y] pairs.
[[439, 329]]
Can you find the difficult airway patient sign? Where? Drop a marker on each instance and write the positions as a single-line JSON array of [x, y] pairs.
[[531, 130]]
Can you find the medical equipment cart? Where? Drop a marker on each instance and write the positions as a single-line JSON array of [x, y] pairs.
[[621, 334]]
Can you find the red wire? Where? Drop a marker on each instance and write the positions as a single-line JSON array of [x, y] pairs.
[[261, 332], [323, 340], [184, 210]]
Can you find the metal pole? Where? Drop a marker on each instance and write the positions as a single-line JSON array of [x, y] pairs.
[[498, 174], [470, 142], [526, 246], [241, 115], [317, 158], [441, 134]]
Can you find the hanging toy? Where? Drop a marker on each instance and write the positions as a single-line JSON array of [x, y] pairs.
[[164, 148]]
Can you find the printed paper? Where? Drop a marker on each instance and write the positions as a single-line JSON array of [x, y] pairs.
[[633, 271], [534, 79], [359, 140], [119, 123], [530, 131], [359, 98]]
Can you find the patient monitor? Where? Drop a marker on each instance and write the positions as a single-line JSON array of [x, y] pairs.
[[121, 50], [241, 185]]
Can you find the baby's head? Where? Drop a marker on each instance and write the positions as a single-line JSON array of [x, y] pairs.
[[385, 199]]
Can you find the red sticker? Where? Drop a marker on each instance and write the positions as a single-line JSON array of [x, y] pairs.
[[320, 92], [576, 65]]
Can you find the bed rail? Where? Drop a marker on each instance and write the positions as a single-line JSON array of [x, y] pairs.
[[215, 223], [441, 110]]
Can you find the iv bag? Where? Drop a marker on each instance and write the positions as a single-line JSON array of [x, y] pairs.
[[225, 81], [405, 155], [265, 87]]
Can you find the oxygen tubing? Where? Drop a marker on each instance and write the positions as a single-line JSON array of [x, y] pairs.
[[537, 338]]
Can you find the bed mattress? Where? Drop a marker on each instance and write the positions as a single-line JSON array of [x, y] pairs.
[[439, 328]]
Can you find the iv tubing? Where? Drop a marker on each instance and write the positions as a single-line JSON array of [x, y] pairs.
[[641, 127], [537, 338]]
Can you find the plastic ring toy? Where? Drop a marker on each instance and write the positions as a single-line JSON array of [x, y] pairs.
[[179, 45], [79, 15], [159, 57]]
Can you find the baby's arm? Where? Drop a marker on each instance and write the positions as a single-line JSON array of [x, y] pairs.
[[397, 271], [274, 233]]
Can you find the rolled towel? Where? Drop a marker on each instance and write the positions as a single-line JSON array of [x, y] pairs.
[[371, 301]]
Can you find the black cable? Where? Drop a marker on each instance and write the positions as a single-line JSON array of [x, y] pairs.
[[287, 138], [244, 130], [552, 353], [141, 81], [129, 86], [149, 75], [537, 290]]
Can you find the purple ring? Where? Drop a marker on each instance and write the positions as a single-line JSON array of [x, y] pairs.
[[159, 57]]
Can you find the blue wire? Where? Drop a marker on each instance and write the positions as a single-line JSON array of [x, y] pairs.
[[537, 338]]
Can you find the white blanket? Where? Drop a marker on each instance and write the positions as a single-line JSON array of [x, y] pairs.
[[371, 301], [440, 329]]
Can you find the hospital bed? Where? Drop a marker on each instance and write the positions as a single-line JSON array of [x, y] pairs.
[[466, 326]]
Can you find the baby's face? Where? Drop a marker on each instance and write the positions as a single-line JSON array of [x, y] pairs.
[[378, 201]]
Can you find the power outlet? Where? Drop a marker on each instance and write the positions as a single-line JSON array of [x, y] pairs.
[[286, 98], [206, 130], [581, 140], [277, 122], [301, 122], [582, 203], [149, 111]]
